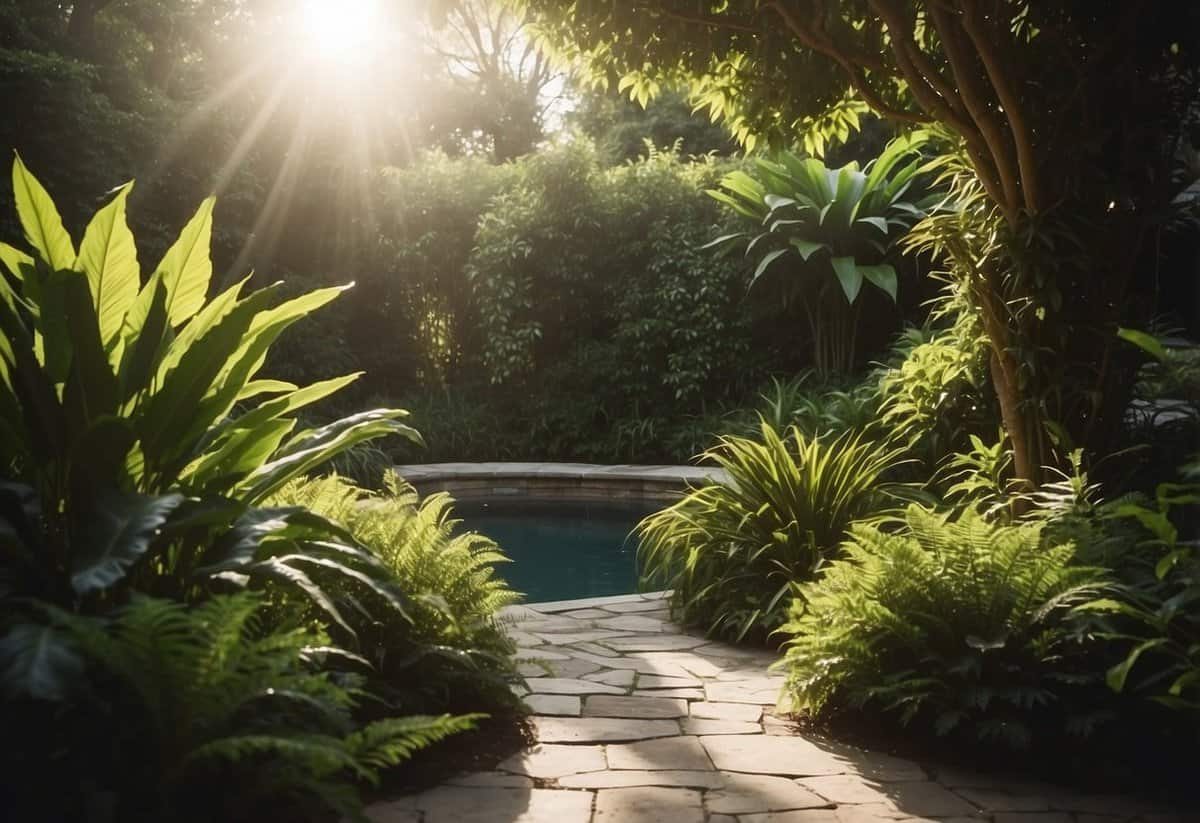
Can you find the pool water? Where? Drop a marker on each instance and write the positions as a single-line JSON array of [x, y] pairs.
[[561, 550]]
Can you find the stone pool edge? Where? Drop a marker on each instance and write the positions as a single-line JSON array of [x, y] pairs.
[[558, 481]]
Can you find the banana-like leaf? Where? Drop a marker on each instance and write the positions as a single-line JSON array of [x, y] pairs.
[[201, 324], [806, 247], [38, 661], [91, 388], [16, 261], [186, 268], [139, 359], [882, 276], [120, 529], [768, 258], [40, 220], [309, 449], [108, 256], [849, 276]]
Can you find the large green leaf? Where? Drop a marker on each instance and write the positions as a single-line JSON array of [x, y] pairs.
[[91, 388], [120, 529], [40, 219], [213, 313], [310, 449], [767, 259], [38, 661], [849, 276], [139, 360], [882, 276], [108, 256], [16, 261], [806, 247], [186, 268]]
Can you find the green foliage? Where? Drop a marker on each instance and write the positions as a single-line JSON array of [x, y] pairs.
[[131, 412], [194, 713], [832, 228], [959, 624], [1151, 613], [733, 552], [450, 645]]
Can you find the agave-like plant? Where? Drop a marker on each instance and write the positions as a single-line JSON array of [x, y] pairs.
[[733, 552], [832, 228], [140, 441]]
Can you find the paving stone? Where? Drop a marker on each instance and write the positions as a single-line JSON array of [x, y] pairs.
[[874, 766], [742, 712], [1035, 817], [573, 668], [613, 677], [845, 789], [569, 685], [700, 725], [557, 704], [773, 724], [763, 754], [674, 753], [751, 793], [923, 799], [593, 648], [652, 642], [642, 666], [682, 694], [990, 800], [643, 777], [749, 674], [795, 816], [763, 691], [569, 638], [534, 669], [721, 818], [648, 804], [657, 681], [875, 813], [492, 779], [549, 761], [692, 663], [395, 811], [462, 804], [600, 729], [727, 650], [633, 606], [633, 623], [524, 653], [519, 689], [524, 638], [587, 614], [621, 706], [1062, 800]]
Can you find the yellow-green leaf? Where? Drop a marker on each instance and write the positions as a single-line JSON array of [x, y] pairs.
[[186, 268], [108, 256], [40, 219]]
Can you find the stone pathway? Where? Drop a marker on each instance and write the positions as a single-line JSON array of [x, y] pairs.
[[638, 721]]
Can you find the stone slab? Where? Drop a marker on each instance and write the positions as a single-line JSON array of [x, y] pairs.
[[648, 804], [613, 677], [743, 712], [569, 685], [673, 753], [643, 777], [492, 779], [652, 642], [548, 762], [602, 705], [765, 754], [752, 793], [463, 804], [701, 725], [567, 705], [599, 729]]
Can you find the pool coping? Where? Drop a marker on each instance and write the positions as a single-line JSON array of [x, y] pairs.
[[559, 481]]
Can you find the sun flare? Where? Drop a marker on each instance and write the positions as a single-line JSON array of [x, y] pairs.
[[339, 32]]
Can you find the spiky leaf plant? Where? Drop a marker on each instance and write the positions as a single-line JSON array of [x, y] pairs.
[[452, 635], [733, 551], [131, 412], [962, 625], [194, 713]]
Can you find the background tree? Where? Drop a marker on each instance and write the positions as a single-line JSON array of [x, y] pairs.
[[1070, 117]]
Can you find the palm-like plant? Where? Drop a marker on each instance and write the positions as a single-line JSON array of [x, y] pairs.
[[964, 623], [131, 413], [732, 552], [832, 228], [166, 699]]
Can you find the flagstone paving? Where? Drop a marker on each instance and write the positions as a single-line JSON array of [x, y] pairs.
[[639, 721]]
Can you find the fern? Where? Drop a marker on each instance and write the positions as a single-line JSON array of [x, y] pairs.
[[205, 713], [455, 594], [964, 622]]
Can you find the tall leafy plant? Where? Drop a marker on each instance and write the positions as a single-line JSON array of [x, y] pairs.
[[832, 229], [961, 624], [142, 443], [733, 551]]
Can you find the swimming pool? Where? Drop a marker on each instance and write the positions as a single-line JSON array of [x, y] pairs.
[[561, 550]]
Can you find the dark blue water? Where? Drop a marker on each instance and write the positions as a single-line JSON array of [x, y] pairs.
[[561, 550]]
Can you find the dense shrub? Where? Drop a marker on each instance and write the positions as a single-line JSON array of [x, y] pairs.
[[196, 713], [733, 552], [450, 648], [961, 626]]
